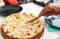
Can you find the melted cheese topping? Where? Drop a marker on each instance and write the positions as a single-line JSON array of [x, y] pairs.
[[14, 25]]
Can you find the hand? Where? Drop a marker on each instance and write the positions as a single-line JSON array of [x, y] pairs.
[[50, 9]]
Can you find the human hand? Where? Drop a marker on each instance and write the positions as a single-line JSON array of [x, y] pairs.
[[50, 9]]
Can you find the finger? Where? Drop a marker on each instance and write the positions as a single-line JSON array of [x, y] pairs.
[[46, 9], [49, 14]]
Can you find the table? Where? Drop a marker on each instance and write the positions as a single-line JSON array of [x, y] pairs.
[[33, 8]]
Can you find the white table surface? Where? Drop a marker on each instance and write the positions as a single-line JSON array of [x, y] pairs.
[[36, 9]]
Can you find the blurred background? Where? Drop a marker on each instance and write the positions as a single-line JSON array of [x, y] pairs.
[[19, 2]]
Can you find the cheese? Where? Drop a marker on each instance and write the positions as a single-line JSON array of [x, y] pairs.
[[18, 28]]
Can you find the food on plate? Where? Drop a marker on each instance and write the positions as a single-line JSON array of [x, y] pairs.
[[15, 27]]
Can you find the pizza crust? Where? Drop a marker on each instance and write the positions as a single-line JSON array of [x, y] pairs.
[[36, 35]]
